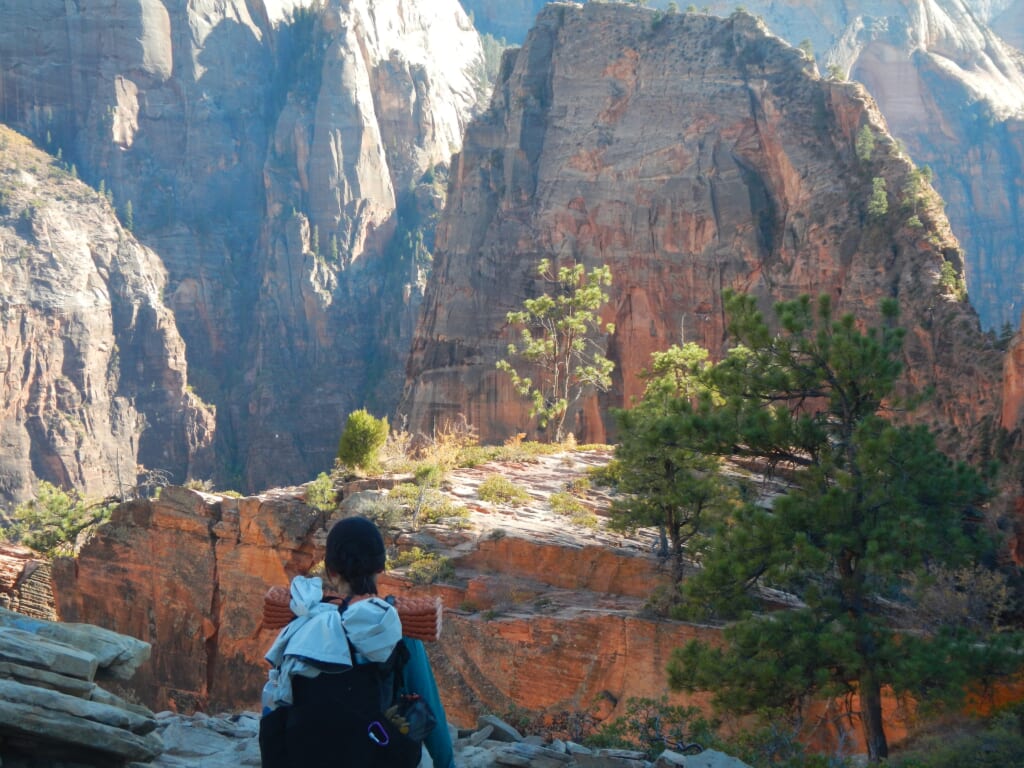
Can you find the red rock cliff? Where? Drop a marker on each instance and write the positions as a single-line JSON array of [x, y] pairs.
[[690, 154]]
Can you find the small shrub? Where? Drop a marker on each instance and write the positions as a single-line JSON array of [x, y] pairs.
[[424, 567], [652, 726], [564, 503], [363, 437], [320, 493], [385, 512], [607, 476], [500, 490], [425, 504]]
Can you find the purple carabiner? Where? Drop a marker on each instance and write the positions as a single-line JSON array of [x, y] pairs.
[[378, 734]]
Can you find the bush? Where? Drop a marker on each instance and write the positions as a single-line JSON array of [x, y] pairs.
[[320, 493], [500, 490], [652, 726], [53, 522], [363, 437], [564, 503], [427, 504], [424, 567]]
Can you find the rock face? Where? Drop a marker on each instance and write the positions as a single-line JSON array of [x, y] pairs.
[[52, 712], [191, 570], [690, 154], [273, 156], [951, 88], [92, 368], [948, 85], [25, 582]]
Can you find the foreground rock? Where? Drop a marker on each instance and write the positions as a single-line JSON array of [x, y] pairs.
[[230, 741], [559, 603], [53, 713]]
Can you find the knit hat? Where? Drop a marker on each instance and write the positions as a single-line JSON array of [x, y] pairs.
[[355, 549]]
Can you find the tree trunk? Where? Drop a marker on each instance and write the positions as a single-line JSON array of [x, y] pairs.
[[870, 696]]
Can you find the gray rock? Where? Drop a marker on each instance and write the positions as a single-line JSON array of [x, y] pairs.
[[709, 758], [502, 730], [116, 654], [30, 650]]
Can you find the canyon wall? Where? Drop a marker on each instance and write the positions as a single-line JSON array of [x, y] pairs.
[[285, 161], [948, 75], [93, 377], [690, 154]]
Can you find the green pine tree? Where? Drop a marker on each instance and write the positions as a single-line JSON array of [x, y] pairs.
[[871, 507]]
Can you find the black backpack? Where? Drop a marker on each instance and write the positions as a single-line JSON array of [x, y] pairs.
[[348, 717]]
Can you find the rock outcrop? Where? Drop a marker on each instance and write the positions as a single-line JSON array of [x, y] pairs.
[[690, 154], [93, 378], [539, 594], [25, 582], [52, 712], [273, 154]]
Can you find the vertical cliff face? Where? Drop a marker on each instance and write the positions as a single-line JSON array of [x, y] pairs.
[[271, 154], [690, 154], [92, 368], [952, 90], [350, 185]]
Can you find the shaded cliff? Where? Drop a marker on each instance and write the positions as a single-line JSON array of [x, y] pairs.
[[272, 154], [92, 368], [690, 154]]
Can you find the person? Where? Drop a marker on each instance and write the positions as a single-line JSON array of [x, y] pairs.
[[324, 634]]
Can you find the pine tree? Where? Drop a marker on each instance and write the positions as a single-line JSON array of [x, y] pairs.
[[557, 343], [871, 506]]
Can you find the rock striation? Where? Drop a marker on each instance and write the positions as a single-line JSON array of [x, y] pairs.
[[25, 582], [273, 154], [53, 713], [690, 154], [949, 78], [93, 378], [559, 605]]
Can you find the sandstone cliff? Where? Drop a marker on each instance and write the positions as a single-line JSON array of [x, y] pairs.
[[952, 90], [237, 133], [92, 368], [948, 85], [540, 614], [690, 154]]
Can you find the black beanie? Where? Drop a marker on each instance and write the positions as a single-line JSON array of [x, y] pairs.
[[356, 552]]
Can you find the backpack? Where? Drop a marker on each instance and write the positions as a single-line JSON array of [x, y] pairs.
[[348, 717]]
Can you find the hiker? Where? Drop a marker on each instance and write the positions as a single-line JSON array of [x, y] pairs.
[[338, 661]]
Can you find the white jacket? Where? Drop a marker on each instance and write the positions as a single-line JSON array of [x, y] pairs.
[[318, 635]]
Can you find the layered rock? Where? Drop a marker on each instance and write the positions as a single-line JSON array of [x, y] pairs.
[[25, 582], [191, 570], [952, 90], [949, 87], [92, 368], [52, 712], [690, 154], [236, 133]]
